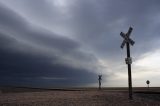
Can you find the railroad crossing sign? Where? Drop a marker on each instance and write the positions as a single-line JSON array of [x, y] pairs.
[[128, 41], [126, 38], [99, 78]]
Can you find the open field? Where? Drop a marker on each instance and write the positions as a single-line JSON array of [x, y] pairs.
[[78, 97]]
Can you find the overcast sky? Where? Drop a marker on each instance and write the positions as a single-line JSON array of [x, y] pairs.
[[68, 43]]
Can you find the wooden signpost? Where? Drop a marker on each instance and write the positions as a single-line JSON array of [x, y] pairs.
[[128, 60]]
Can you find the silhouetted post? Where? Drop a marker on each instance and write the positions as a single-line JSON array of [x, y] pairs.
[[99, 79], [128, 60], [148, 82]]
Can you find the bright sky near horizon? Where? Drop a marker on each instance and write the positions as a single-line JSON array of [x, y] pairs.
[[66, 43]]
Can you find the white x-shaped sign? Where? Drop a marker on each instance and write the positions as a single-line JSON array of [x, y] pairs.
[[126, 38]]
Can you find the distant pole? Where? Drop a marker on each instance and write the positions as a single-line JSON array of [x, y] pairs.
[[128, 60], [99, 79]]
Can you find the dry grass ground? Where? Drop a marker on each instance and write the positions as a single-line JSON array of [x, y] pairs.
[[90, 97]]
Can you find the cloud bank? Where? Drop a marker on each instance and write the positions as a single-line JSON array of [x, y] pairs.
[[56, 43]]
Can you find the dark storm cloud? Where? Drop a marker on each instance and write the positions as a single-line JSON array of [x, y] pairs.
[[76, 34], [98, 24], [18, 27], [22, 69], [25, 62]]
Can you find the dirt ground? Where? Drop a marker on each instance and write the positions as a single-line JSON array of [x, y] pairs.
[[78, 98]]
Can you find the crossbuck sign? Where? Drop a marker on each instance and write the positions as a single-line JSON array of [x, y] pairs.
[[128, 41], [126, 38]]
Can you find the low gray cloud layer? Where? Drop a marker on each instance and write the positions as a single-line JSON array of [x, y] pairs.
[[68, 43], [31, 56]]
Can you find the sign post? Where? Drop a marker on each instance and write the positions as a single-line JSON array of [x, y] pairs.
[[99, 79], [128, 60]]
